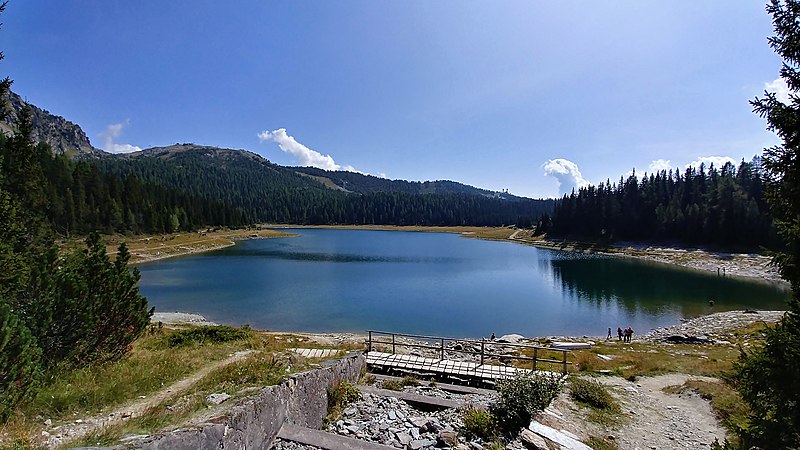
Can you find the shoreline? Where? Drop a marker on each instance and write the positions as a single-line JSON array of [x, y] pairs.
[[713, 328], [747, 266]]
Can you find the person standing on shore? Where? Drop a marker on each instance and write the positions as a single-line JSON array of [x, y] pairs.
[[608, 338], [619, 333]]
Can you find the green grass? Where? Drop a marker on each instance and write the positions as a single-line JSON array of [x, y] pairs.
[[398, 385], [207, 335], [600, 443], [339, 396], [479, 423], [605, 410], [151, 365], [258, 369]]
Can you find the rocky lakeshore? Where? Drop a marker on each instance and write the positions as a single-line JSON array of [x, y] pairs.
[[712, 328]]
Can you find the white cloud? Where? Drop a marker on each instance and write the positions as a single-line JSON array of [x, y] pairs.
[[304, 155], [112, 132], [781, 90], [718, 162], [566, 173], [660, 164]]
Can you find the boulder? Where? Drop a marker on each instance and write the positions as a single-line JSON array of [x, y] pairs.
[[216, 399], [511, 338], [532, 440]]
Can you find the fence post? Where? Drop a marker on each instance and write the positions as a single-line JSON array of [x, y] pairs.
[[393, 352], [441, 350], [369, 346], [535, 357], [565, 362], [483, 342]]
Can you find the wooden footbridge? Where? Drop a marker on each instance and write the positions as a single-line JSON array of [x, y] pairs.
[[465, 359]]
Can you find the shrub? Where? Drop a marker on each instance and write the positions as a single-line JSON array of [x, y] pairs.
[[19, 361], [339, 396], [479, 423], [342, 394], [523, 397], [397, 385], [592, 393], [206, 335]]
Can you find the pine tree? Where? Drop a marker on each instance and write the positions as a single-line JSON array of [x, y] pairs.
[[769, 377]]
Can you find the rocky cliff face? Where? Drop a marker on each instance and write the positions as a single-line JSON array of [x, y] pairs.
[[62, 135]]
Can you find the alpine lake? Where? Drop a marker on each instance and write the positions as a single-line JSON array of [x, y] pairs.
[[332, 280]]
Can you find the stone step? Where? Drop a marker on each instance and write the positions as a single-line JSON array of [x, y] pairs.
[[423, 402], [325, 440]]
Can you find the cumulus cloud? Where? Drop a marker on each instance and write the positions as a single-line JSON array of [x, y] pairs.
[[659, 164], [566, 173], [304, 155], [112, 132], [718, 161], [781, 90]]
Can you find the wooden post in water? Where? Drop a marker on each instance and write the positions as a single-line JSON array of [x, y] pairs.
[[393, 344], [369, 346], [483, 342]]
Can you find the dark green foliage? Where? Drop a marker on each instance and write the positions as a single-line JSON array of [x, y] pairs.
[[479, 423], [206, 335], [84, 199], [55, 313], [96, 310], [265, 192], [722, 207], [765, 375], [19, 361], [523, 397], [592, 393], [768, 377]]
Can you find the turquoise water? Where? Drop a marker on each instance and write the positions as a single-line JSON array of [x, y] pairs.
[[435, 283]]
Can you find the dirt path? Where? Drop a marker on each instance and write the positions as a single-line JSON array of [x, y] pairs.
[[652, 419], [82, 427]]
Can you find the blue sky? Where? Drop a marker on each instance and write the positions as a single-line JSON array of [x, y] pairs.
[[492, 94]]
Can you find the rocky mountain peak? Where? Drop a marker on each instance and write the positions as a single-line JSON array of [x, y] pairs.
[[62, 135]]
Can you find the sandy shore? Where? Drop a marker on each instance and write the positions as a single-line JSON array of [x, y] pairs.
[[180, 318]]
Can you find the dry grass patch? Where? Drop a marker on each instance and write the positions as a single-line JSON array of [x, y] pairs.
[[647, 359], [257, 370], [151, 365]]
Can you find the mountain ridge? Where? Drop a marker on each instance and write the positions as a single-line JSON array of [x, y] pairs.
[[66, 137], [59, 133]]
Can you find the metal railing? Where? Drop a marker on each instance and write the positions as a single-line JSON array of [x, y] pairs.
[[485, 352]]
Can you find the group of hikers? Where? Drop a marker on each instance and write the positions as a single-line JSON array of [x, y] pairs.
[[623, 335]]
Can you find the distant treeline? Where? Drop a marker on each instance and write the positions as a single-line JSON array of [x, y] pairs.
[[79, 199], [264, 192], [149, 195], [702, 206]]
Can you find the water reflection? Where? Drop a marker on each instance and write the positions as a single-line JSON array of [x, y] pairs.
[[651, 287]]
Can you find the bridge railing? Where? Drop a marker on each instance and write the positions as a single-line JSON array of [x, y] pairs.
[[485, 352]]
